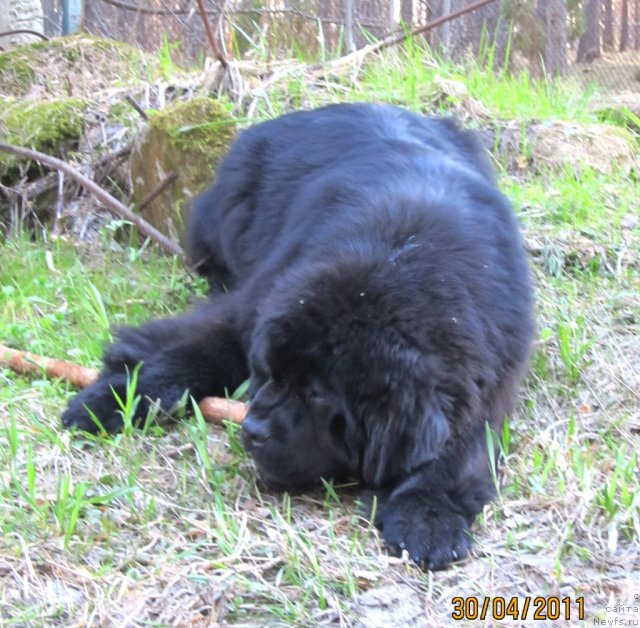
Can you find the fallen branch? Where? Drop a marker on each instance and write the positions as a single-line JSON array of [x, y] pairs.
[[357, 56], [170, 179], [111, 203], [50, 181], [396, 39], [24, 31], [134, 103], [28, 363], [214, 409], [217, 53], [217, 409]]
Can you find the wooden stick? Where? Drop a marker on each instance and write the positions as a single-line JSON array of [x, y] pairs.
[[111, 203], [392, 40], [50, 181], [358, 55], [217, 409], [28, 363], [212, 38], [214, 409]]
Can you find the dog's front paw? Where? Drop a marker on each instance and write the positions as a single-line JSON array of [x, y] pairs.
[[427, 526], [96, 408]]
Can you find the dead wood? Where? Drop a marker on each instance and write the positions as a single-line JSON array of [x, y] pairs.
[[357, 56], [214, 409], [111, 203], [217, 53], [28, 363], [50, 181]]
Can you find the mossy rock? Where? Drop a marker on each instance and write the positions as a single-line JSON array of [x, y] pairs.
[[77, 64], [188, 139], [44, 125]]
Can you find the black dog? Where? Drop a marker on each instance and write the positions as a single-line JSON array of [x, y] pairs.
[[377, 295]]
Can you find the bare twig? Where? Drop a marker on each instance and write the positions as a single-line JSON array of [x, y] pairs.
[[396, 39], [49, 182], [111, 203], [210, 36], [134, 103], [24, 31], [29, 363], [392, 40], [357, 56], [171, 178], [217, 409], [214, 409], [59, 202]]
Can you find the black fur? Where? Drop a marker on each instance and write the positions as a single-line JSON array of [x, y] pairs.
[[378, 296]]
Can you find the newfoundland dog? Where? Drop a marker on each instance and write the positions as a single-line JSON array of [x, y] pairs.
[[370, 280]]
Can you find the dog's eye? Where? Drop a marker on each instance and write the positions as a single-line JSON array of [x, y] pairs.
[[270, 394]]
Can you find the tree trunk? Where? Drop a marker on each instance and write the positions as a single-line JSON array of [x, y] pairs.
[[495, 31], [589, 44], [4, 17], [90, 18], [555, 52], [608, 41], [636, 28], [406, 12], [480, 31], [541, 14], [446, 27], [348, 26], [437, 36], [19, 14], [72, 12], [624, 26]]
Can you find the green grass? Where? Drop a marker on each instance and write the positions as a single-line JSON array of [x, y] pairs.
[[411, 75], [72, 301], [590, 202], [168, 526], [136, 511]]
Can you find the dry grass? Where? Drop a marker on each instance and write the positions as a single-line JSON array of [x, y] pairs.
[[171, 528]]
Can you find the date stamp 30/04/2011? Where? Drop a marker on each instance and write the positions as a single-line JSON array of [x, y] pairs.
[[527, 608], [540, 608]]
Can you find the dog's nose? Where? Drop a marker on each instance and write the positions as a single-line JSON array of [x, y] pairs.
[[255, 432]]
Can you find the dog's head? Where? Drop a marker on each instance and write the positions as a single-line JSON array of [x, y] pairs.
[[342, 382]]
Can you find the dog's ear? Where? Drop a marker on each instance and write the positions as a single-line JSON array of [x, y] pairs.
[[403, 434]]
